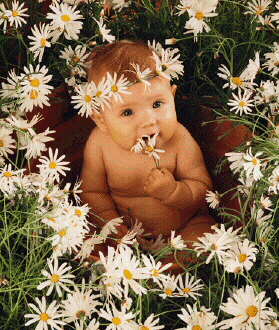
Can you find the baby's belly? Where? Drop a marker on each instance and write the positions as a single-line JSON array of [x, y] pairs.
[[155, 217]]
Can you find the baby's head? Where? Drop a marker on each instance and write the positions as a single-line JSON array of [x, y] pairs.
[[146, 106]]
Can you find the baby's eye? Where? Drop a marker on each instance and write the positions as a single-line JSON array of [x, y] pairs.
[[127, 112], [157, 104]]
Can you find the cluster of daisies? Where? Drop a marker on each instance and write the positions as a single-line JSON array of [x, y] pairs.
[[123, 277]]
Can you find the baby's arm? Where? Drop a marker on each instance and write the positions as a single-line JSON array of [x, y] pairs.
[[94, 183], [187, 188]]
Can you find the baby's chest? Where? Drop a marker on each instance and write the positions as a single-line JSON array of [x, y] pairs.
[[126, 175]]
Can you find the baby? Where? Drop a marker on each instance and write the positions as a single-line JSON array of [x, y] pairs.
[[118, 182]]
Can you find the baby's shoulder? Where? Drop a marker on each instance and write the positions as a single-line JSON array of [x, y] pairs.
[[97, 138], [182, 134]]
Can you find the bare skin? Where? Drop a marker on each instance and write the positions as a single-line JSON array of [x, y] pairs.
[[117, 182]]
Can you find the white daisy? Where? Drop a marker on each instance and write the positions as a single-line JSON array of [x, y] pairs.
[[249, 310], [236, 159], [155, 269], [35, 144], [34, 87], [39, 40], [88, 246], [16, 14], [168, 62], [120, 320], [7, 143], [120, 4], [177, 242], [244, 252], [4, 12], [189, 287], [85, 99], [117, 86], [80, 304], [104, 32], [46, 316], [272, 60], [130, 271], [243, 81], [259, 216], [265, 202], [53, 166], [110, 227], [168, 287], [212, 198], [257, 7], [10, 179], [274, 180], [198, 12], [151, 324], [184, 5], [56, 277], [253, 68], [241, 103], [196, 318], [101, 92], [252, 164], [65, 19], [141, 76], [217, 244]]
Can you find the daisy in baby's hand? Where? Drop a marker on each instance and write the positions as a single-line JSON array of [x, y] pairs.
[[147, 143]]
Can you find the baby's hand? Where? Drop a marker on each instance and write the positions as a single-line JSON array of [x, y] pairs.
[[160, 183]]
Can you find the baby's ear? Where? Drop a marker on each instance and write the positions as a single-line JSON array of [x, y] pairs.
[[173, 89], [99, 120]]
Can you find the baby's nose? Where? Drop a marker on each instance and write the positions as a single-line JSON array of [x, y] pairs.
[[149, 118]]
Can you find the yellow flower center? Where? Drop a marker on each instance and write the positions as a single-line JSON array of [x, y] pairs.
[[214, 246], [80, 314], [255, 161], [35, 82], [127, 274], [52, 219], [199, 15], [1, 143], [149, 149], [52, 165], [76, 59], [99, 93], [114, 88], [237, 81], [258, 12], [144, 327], [252, 311], [43, 42], [87, 98], [196, 327], [237, 270], [155, 272], [14, 13], [55, 278], [242, 104], [168, 292], [8, 174], [116, 320], [186, 290], [62, 233], [34, 94], [65, 18], [44, 317], [242, 257], [78, 212]]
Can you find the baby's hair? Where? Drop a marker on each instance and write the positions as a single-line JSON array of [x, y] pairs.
[[118, 57]]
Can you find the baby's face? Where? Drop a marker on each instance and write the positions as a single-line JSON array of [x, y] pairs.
[[148, 110]]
